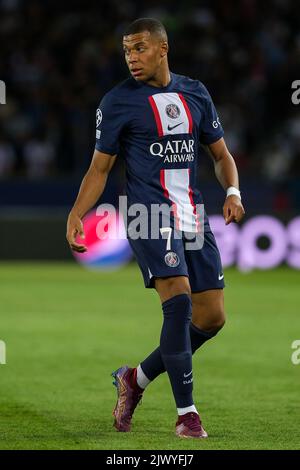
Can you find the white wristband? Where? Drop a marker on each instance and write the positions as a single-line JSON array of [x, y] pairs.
[[232, 191]]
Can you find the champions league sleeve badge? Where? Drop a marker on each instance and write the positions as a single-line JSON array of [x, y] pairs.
[[98, 117]]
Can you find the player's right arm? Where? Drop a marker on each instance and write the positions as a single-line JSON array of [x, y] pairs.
[[91, 189]]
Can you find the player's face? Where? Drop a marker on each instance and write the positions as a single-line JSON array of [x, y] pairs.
[[143, 55]]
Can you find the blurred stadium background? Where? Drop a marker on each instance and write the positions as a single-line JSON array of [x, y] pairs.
[[57, 61]]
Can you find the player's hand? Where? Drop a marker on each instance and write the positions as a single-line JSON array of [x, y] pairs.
[[75, 227], [233, 210]]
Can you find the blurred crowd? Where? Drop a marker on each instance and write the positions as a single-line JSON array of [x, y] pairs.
[[59, 58]]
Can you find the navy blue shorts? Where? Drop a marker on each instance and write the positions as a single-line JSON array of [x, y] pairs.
[[202, 266]]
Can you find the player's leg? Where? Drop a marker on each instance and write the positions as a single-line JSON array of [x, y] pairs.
[[176, 353], [208, 316], [206, 281], [131, 382], [175, 343], [171, 286], [155, 261], [207, 305], [207, 286]]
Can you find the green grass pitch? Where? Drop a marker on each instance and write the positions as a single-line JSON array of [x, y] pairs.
[[67, 329]]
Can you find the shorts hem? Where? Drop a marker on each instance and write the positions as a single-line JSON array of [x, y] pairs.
[[150, 283], [195, 291]]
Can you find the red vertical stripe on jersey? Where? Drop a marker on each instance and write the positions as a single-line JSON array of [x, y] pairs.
[[167, 195], [163, 184], [188, 113], [157, 117], [193, 204]]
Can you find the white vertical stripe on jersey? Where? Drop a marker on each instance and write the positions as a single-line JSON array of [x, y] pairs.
[[178, 125], [177, 183]]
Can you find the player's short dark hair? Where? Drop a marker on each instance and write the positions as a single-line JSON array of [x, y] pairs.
[[152, 25]]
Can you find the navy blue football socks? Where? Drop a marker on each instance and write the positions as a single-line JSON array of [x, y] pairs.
[[175, 348], [153, 365]]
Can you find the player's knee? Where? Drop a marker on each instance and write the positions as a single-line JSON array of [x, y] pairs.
[[172, 286], [212, 323], [217, 321], [177, 287]]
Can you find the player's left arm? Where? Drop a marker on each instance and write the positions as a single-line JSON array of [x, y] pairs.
[[227, 174]]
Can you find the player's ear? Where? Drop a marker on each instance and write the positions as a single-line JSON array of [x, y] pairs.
[[164, 48]]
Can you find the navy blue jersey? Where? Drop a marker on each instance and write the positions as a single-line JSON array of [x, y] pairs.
[[158, 131]]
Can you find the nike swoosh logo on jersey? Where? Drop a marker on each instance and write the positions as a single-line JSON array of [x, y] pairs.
[[186, 375], [170, 128], [221, 277]]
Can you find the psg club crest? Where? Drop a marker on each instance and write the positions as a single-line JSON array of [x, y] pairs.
[[172, 111], [172, 259], [98, 117]]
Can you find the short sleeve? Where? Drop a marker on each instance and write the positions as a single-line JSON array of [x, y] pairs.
[[108, 125], [210, 128]]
